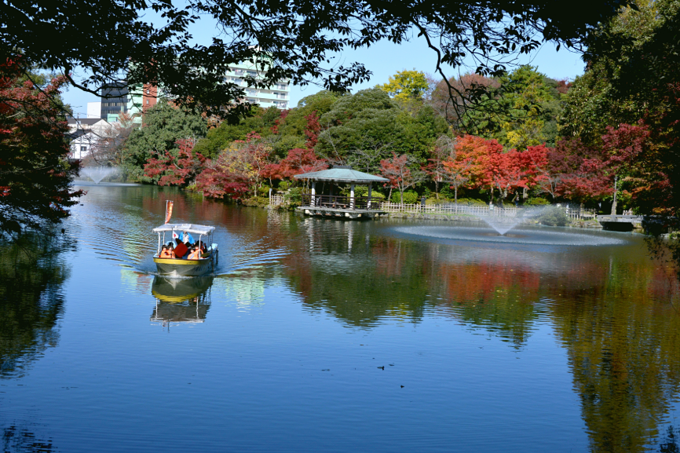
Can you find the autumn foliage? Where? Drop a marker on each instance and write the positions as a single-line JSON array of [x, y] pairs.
[[34, 171], [237, 170], [174, 170]]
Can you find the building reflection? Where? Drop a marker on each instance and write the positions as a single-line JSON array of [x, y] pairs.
[[185, 300]]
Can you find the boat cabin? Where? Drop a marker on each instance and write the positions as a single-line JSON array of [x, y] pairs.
[[183, 263]]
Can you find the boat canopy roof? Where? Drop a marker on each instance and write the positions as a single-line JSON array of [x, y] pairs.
[[188, 227]]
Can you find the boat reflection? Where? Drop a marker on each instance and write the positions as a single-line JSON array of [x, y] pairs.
[[184, 300]]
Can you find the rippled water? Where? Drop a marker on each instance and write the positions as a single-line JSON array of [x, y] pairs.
[[324, 335]]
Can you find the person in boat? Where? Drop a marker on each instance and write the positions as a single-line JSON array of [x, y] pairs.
[[171, 251], [187, 238], [195, 253], [164, 252]]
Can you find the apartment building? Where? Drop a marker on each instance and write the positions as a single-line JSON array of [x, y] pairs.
[[114, 101], [274, 96], [140, 98]]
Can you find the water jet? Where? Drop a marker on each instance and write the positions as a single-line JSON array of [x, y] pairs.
[[98, 174]]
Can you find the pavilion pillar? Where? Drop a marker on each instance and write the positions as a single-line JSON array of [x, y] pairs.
[[313, 201], [351, 197], [368, 204]]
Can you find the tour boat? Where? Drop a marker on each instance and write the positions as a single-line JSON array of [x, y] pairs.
[[176, 233]]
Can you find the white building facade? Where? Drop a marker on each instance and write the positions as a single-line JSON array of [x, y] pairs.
[[276, 95], [86, 134]]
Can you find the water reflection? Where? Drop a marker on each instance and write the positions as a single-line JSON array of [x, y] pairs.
[[612, 310], [624, 353], [32, 272], [605, 317], [185, 300], [19, 439]]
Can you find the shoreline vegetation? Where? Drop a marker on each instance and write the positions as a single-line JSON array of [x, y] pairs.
[[512, 137], [516, 137]]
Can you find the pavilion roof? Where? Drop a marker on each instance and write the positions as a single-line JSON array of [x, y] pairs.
[[342, 174]]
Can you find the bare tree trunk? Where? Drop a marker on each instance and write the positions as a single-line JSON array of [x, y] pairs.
[[616, 180]]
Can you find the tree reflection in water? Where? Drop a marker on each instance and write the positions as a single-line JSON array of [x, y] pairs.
[[614, 316], [32, 272], [669, 444], [16, 439]]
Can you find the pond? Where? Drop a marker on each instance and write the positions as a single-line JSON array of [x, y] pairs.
[[334, 336]]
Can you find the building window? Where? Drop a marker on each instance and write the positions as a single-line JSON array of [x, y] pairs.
[[83, 148]]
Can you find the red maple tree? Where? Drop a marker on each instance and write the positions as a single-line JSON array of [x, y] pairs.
[[400, 176], [34, 170], [237, 170], [178, 170]]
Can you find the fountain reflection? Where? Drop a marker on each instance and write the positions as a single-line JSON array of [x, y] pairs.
[[524, 237], [184, 300]]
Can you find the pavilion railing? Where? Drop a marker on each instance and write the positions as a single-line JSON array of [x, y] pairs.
[[339, 202], [572, 211]]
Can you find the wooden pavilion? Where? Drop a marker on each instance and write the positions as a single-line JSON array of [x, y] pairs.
[[331, 205]]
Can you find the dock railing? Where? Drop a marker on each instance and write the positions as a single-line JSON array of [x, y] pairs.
[[573, 211], [276, 200], [339, 202]]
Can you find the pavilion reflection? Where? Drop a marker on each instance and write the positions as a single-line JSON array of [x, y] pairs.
[[184, 300]]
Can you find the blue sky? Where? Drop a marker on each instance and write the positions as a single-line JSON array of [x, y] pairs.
[[385, 59]]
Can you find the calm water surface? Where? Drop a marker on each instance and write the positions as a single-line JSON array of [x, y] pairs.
[[325, 336]]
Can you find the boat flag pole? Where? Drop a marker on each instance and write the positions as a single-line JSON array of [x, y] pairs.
[[168, 210]]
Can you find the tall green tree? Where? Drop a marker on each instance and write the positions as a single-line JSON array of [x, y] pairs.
[[632, 79], [219, 138], [365, 128], [521, 110], [163, 126]]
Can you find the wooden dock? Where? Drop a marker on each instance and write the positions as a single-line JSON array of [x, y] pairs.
[[620, 222], [341, 212]]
